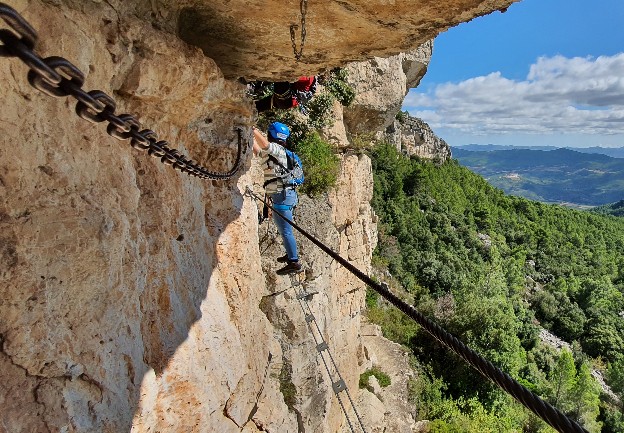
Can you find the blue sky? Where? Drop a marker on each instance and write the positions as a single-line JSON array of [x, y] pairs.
[[546, 72]]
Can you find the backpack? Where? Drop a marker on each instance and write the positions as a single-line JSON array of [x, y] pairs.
[[291, 174], [304, 90]]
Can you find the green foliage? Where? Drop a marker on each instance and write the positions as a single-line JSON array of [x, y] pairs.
[[335, 88], [321, 166], [372, 298], [362, 143], [260, 90], [395, 325], [562, 379], [338, 86], [615, 375], [612, 419], [382, 378], [320, 109], [490, 268], [427, 393], [585, 404], [402, 116], [615, 209]]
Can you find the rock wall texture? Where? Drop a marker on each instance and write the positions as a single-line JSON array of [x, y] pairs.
[[128, 300], [412, 136], [252, 39], [344, 221], [132, 297], [381, 85], [387, 409]]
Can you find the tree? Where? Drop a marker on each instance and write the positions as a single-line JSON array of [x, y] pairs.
[[585, 396], [615, 375], [562, 380]]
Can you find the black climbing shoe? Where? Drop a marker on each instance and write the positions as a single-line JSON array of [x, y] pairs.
[[283, 259], [290, 268]]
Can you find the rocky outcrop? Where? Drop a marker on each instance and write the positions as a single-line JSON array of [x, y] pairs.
[[344, 221], [128, 292], [412, 136], [387, 409], [381, 85], [558, 344]]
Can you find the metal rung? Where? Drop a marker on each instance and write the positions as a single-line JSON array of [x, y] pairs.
[[309, 318], [322, 346], [339, 386], [302, 295]]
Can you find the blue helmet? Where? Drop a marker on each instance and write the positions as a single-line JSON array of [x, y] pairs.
[[278, 131]]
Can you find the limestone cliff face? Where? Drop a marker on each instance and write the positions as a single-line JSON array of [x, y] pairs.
[[134, 298], [344, 221], [414, 137], [381, 85]]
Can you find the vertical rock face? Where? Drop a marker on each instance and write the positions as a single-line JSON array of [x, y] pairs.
[[381, 86], [344, 221], [414, 137], [128, 292]]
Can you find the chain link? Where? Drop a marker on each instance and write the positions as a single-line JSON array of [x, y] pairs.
[[58, 77], [303, 7]]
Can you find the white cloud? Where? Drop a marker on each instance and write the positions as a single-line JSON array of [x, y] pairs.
[[560, 95]]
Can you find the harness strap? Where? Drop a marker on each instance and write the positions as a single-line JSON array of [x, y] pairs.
[[282, 206]]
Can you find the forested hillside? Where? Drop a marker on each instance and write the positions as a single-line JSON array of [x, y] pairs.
[[493, 269], [616, 209], [552, 176]]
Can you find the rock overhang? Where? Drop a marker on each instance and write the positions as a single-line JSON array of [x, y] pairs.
[[252, 39]]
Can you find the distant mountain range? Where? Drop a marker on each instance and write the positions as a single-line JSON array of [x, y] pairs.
[[615, 152], [552, 175]]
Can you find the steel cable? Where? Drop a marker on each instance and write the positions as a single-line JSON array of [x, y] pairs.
[[551, 415], [307, 312]]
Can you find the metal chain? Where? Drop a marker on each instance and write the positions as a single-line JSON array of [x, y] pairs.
[[56, 76], [553, 416], [303, 7]]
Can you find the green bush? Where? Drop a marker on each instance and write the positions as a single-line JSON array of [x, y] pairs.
[[382, 378], [372, 298], [297, 124], [320, 109], [339, 87], [402, 116], [320, 165]]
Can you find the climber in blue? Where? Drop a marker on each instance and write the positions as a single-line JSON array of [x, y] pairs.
[[282, 174]]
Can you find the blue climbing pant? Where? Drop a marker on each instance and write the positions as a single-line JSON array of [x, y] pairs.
[[284, 202]]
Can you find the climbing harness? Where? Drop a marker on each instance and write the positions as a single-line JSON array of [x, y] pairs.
[[56, 76], [303, 7], [534, 403], [289, 175], [338, 386]]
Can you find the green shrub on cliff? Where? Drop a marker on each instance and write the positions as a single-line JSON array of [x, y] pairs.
[[320, 164], [489, 268]]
